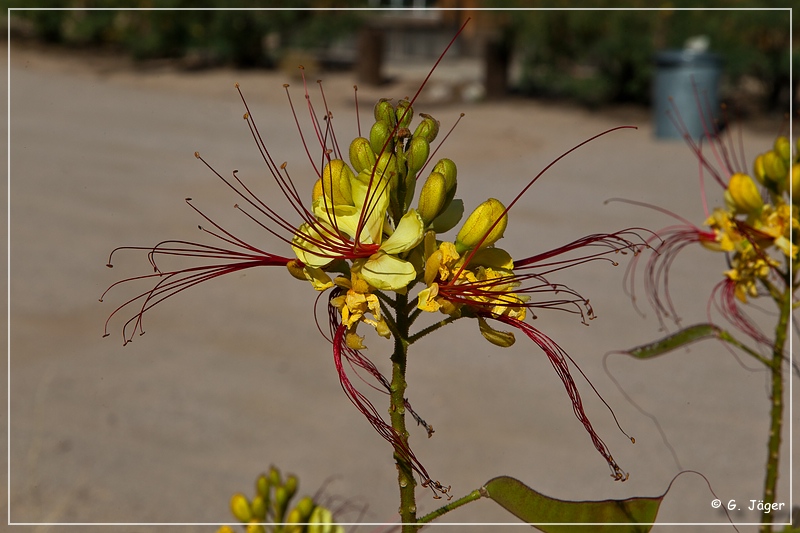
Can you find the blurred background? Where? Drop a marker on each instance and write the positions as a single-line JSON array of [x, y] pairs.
[[565, 54], [107, 109]]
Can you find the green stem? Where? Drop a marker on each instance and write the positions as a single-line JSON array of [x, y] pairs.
[[405, 474], [430, 329], [471, 497], [776, 409]]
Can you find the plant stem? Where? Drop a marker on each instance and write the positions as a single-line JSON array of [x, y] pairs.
[[776, 409], [471, 497], [405, 475]]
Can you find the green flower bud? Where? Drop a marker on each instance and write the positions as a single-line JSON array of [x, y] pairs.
[[783, 148], [262, 483], [796, 183], [305, 507], [417, 154], [240, 508], [274, 476], [291, 486], [428, 129], [281, 502], [255, 528], [432, 197], [386, 167], [320, 521], [404, 113], [758, 169], [384, 112], [378, 136], [744, 193], [258, 507], [361, 155], [480, 228], [294, 517], [447, 168], [336, 178], [775, 169], [504, 339]]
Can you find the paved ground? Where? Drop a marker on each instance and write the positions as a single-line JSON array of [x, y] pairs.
[[233, 376]]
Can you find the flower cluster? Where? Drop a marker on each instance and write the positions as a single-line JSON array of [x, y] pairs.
[[755, 227], [272, 505], [368, 239]]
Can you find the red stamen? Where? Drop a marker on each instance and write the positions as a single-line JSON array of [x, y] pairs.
[[558, 359]]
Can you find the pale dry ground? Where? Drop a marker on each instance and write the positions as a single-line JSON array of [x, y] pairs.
[[233, 375]]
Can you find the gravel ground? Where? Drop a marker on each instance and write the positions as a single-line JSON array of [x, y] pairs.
[[233, 376]]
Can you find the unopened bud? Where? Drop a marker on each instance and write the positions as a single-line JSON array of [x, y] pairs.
[[378, 137], [275, 476], [294, 517], [320, 521], [758, 169], [281, 502], [796, 183], [432, 197], [295, 268], [258, 507], [744, 193], [783, 148], [255, 528], [305, 506], [775, 169], [262, 483], [447, 168], [240, 508], [386, 167], [504, 339], [316, 191], [480, 229], [428, 129], [336, 178], [361, 155], [384, 112], [291, 486], [417, 154], [404, 113]]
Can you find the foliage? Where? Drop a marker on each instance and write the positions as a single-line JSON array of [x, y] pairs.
[[597, 57], [219, 36]]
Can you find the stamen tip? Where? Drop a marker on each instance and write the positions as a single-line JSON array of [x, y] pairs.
[[236, 84], [106, 335], [197, 155], [109, 265]]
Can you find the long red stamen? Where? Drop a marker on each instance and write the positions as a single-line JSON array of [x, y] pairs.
[[558, 359], [723, 298], [528, 186], [355, 359]]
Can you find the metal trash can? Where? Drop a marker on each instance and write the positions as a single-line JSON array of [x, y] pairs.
[[691, 79]]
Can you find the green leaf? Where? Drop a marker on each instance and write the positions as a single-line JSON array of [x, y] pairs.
[[676, 340], [634, 515]]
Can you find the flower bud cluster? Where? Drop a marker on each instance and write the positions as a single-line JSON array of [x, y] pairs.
[[367, 231], [759, 222], [271, 503]]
